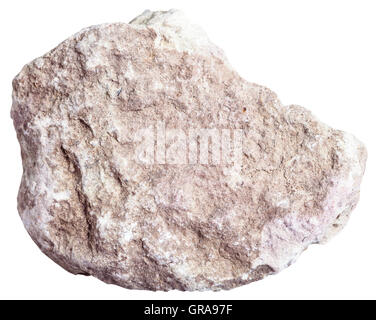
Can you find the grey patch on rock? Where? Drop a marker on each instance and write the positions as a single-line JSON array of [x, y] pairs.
[[93, 208]]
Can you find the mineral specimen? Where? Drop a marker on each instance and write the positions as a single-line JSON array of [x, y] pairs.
[[150, 163]]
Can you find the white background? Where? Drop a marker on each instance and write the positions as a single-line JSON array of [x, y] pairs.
[[319, 54]]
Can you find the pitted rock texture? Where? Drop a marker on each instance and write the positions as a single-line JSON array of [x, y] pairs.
[[95, 209]]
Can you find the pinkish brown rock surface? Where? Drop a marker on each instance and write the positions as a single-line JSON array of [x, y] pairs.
[[150, 163]]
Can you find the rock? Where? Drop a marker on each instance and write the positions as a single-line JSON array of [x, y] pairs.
[[151, 164]]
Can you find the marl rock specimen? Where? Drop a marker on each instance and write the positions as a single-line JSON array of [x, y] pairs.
[[150, 163]]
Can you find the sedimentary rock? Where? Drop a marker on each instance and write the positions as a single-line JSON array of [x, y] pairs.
[[150, 163]]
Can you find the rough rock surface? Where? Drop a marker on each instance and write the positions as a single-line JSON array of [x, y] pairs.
[[96, 206]]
